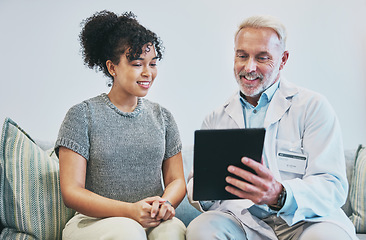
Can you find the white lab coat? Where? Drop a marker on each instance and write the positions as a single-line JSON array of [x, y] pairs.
[[299, 121]]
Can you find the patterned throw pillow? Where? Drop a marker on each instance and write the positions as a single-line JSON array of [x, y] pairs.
[[31, 206], [358, 192]]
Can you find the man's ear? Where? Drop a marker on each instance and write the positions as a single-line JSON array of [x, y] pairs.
[[110, 67], [284, 59]]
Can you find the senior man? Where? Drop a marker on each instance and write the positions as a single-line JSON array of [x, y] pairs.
[[278, 202]]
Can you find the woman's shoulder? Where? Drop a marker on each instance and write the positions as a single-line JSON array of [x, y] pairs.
[[154, 106], [81, 107], [157, 109]]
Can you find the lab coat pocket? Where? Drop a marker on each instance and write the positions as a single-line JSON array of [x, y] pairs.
[[290, 157]]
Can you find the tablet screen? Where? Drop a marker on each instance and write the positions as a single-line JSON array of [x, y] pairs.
[[214, 151]]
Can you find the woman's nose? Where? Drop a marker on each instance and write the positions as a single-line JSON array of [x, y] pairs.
[[146, 71]]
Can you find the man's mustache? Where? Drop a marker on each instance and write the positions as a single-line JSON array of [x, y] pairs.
[[251, 75]]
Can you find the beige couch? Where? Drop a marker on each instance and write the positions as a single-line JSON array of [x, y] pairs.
[[187, 213], [31, 205]]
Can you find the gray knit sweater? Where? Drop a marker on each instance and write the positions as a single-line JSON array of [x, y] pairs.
[[124, 151]]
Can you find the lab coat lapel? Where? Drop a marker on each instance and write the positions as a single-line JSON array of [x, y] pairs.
[[279, 105], [235, 110]]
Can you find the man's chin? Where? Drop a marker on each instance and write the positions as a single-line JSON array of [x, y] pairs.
[[250, 91]]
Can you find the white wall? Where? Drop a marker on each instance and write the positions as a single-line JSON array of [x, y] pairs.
[[42, 74]]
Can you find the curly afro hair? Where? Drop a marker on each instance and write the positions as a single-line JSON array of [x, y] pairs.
[[106, 36]]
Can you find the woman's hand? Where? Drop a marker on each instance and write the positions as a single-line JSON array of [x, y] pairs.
[[150, 212], [162, 211], [145, 210]]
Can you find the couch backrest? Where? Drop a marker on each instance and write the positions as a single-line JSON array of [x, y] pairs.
[[350, 155], [185, 211]]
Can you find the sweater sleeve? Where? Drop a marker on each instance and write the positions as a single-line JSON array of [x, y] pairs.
[[173, 144], [74, 131]]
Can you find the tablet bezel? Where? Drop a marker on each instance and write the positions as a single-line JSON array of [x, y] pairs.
[[214, 151]]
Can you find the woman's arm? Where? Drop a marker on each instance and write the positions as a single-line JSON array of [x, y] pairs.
[[173, 175], [75, 196], [175, 187]]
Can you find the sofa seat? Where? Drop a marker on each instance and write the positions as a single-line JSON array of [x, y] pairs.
[[31, 205], [186, 212]]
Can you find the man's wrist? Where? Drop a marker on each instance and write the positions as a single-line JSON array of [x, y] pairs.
[[280, 201]]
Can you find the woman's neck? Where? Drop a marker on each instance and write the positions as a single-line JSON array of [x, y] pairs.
[[123, 103]]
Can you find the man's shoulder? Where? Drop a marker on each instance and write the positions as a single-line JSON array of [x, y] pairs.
[[297, 92], [224, 116], [306, 100], [233, 98]]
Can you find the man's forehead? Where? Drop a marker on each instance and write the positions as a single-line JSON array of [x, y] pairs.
[[265, 31], [261, 38]]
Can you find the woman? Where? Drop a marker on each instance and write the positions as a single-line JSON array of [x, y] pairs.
[[113, 148]]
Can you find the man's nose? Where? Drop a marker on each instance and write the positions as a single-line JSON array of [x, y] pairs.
[[250, 65]]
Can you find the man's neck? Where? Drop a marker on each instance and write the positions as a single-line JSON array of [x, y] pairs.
[[252, 100]]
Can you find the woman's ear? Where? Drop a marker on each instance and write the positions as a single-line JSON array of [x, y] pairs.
[[111, 68]]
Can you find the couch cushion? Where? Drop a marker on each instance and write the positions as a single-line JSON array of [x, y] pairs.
[[357, 191], [30, 198], [185, 211], [350, 162]]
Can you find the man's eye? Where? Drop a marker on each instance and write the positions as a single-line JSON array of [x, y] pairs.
[[242, 56], [263, 59]]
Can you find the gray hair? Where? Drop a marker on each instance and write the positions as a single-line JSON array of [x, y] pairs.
[[262, 21]]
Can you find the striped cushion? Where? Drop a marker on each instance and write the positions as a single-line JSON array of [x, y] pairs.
[[358, 192], [31, 206]]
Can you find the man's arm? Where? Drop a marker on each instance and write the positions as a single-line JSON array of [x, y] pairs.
[[323, 187]]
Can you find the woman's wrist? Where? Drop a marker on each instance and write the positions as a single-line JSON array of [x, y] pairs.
[[167, 202]]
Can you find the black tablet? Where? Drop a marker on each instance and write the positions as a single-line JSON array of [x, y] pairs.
[[214, 151]]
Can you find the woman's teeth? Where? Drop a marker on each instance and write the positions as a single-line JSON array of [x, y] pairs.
[[144, 83]]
